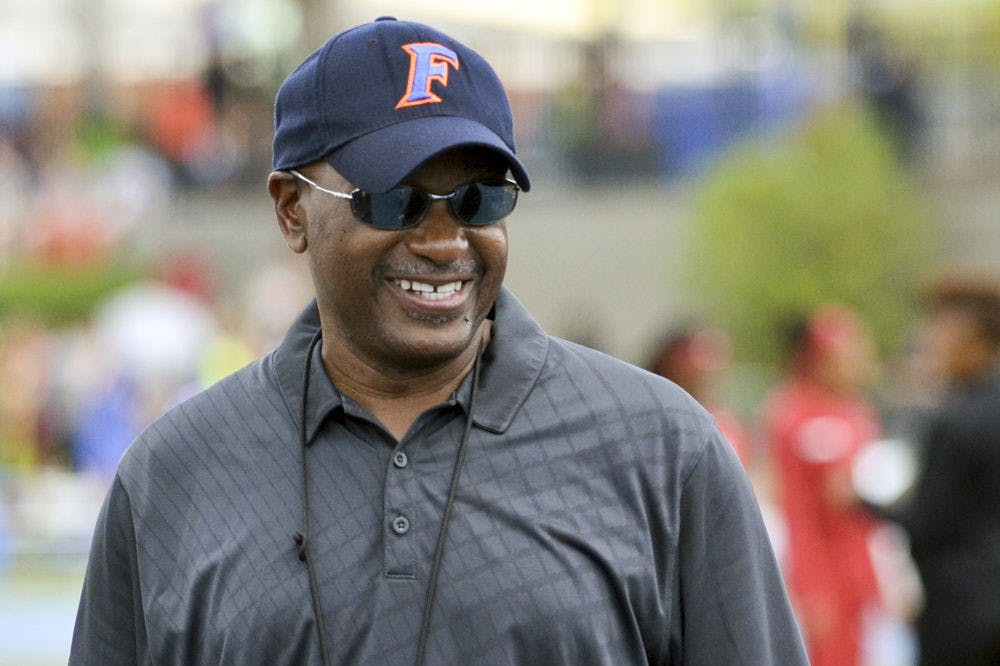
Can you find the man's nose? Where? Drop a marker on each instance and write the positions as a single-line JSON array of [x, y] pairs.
[[439, 237]]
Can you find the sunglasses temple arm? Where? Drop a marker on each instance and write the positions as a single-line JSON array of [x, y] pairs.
[[339, 195]]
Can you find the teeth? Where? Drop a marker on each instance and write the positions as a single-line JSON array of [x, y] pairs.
[[430, 291], [449, 288]]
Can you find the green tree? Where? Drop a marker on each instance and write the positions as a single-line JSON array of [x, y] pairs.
[[824, 213]]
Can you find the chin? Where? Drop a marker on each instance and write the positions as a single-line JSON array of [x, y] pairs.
[[431, 349]]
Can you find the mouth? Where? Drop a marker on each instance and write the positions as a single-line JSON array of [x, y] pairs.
[[431, 292]]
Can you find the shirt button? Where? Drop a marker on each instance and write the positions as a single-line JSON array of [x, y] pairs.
[[400, 525], [400, 460]]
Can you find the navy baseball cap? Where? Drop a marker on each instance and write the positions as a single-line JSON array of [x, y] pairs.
[[378, 100]]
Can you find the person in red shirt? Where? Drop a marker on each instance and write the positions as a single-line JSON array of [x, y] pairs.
[[816, 421]]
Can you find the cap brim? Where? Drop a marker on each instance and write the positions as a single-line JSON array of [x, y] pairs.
[[381, 160]]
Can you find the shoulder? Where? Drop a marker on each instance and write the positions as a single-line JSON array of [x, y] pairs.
[[238, 408], [550, 368], [649, 429], [639, 411], [600, 377]]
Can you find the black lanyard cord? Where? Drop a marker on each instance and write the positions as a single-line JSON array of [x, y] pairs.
[[456, 473], [302, 538]]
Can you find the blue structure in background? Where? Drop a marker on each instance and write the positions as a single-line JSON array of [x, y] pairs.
[[106, 427], [695, 124]]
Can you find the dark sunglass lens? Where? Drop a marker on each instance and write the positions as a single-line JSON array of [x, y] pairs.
[[397, 209], [475, 204], [413, 206], [361, 205], [482, 203], [467, 201]]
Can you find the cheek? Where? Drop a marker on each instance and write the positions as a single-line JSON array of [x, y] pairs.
[[491, 245], [344, 263]]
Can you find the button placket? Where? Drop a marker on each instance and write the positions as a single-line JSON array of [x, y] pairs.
[[398, 548]]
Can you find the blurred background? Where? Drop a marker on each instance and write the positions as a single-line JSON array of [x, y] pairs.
[[729, 163]]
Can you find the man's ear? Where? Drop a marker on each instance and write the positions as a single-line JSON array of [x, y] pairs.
[[284, 190]]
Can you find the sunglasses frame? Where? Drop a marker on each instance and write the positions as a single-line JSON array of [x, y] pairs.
[[356, 194]]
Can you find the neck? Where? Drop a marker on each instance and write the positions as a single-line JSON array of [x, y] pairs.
[[395, 396]]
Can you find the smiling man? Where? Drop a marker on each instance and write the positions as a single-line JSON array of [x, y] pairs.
[[419, 474], [403, 312]]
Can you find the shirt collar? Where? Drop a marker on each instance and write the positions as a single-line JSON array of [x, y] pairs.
[[510, 367], [288, 365]]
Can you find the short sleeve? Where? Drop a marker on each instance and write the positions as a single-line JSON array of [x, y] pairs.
[[731, 606], [110, 628]]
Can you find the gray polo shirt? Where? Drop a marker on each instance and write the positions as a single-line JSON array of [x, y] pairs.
[[601, 519]]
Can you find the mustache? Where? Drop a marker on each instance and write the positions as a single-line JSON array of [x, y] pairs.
[[407, 269]]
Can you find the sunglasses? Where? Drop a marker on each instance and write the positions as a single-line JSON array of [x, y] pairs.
[[476, 204]]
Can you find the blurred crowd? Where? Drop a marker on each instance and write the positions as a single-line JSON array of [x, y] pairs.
[[100, 330], [75, 395], [880, 482]]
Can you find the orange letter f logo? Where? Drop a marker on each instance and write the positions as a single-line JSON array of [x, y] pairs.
[[429, 62]]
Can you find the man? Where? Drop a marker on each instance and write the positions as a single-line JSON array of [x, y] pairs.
[[419, 474], [817, 421], [953, 516]]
